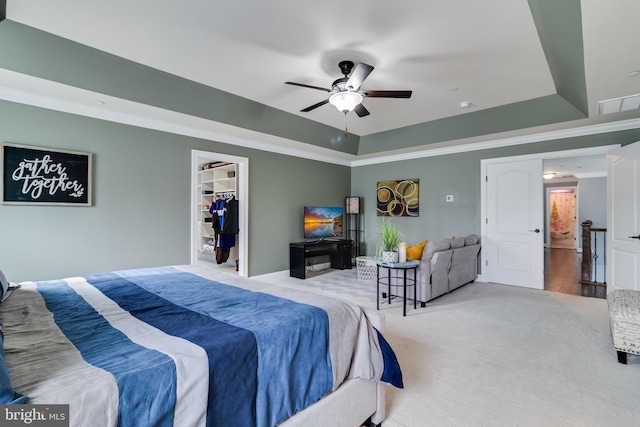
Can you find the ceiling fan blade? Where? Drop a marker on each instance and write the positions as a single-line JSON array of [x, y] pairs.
[[314, 106], [387, 93], [309, 86], [361, 111], [358, 75]]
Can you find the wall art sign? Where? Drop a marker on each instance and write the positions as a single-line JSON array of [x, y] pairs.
[[398, 198], [34, 175]]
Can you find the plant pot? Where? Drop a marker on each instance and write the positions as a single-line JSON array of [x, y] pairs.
[[389, 256]]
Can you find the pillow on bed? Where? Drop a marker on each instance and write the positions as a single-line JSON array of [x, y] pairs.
[[7, 393]]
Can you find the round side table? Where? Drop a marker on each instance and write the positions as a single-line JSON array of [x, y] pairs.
[[398, 267]]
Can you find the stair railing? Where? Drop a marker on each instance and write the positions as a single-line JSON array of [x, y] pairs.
[[591, 269]]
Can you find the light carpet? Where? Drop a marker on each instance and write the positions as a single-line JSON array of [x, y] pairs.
[[496, 355]]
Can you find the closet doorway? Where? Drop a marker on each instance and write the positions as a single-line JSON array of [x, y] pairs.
[[217, 177]]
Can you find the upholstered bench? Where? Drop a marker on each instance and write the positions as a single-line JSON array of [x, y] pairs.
[[624, 318]]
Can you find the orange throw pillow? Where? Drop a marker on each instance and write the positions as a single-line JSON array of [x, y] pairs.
[[415, 251]]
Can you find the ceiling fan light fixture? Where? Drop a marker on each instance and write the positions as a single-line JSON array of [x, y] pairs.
[[345, 101]]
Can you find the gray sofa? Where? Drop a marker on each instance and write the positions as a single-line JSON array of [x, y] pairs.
[[445, 265]]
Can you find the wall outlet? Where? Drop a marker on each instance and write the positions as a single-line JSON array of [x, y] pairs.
[[449, 198]]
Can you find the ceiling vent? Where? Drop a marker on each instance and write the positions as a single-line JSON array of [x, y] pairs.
[[617, 105]]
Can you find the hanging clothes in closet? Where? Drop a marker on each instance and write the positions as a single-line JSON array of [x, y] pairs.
[[224, 212]]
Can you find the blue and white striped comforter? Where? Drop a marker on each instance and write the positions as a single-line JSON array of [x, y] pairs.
[[176, 346]]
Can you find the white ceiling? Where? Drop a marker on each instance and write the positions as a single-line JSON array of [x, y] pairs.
[[577, 167], [448, 51]]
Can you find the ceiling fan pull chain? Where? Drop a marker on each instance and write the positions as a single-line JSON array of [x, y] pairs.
[[346, 130]]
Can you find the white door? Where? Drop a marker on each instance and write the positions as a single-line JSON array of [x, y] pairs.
[[623, 218], [514, 240]]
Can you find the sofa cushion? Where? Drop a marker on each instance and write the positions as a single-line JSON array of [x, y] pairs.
[[471, 239], [433, 247], [456, 243], [415, 251]]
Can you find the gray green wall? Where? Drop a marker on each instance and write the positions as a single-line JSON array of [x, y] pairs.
[[141, 177], [456, 174], [141, 211], [142, 199]]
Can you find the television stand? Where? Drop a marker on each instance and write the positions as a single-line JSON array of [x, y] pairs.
[[339, 251]]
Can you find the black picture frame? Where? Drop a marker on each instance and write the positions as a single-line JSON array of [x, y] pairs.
[[45, 176]]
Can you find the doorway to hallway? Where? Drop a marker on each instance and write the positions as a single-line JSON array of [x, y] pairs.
[[537, 218], [561, 217]]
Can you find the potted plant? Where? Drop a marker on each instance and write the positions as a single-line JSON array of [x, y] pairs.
[[390, 235]]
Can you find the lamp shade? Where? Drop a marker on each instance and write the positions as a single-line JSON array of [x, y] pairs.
[[353, 205], [345, 101]]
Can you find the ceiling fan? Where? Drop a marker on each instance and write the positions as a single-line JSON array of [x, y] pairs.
[[345, 92]]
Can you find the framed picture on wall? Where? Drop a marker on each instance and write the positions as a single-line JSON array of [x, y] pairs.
[[35, 175], [398, 197]]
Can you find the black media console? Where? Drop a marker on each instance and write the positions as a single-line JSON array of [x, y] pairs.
[[338, 250]]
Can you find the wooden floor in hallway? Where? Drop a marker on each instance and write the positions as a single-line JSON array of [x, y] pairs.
[[562, 270]]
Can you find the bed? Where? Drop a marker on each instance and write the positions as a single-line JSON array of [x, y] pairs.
[[190, 346]]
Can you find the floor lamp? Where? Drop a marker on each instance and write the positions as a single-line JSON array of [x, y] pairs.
[[352, 204]]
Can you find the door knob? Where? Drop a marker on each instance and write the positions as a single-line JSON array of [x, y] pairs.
[[537, 230]]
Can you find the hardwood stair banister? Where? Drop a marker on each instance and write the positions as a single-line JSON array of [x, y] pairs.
[[588, 274]]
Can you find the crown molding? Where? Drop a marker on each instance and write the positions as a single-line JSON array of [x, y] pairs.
[[33, 91], [29, 90], [497, 142]]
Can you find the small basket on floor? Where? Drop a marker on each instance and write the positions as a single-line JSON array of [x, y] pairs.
[[367, 270]]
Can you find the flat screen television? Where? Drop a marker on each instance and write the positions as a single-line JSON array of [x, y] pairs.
[[322, 222]]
